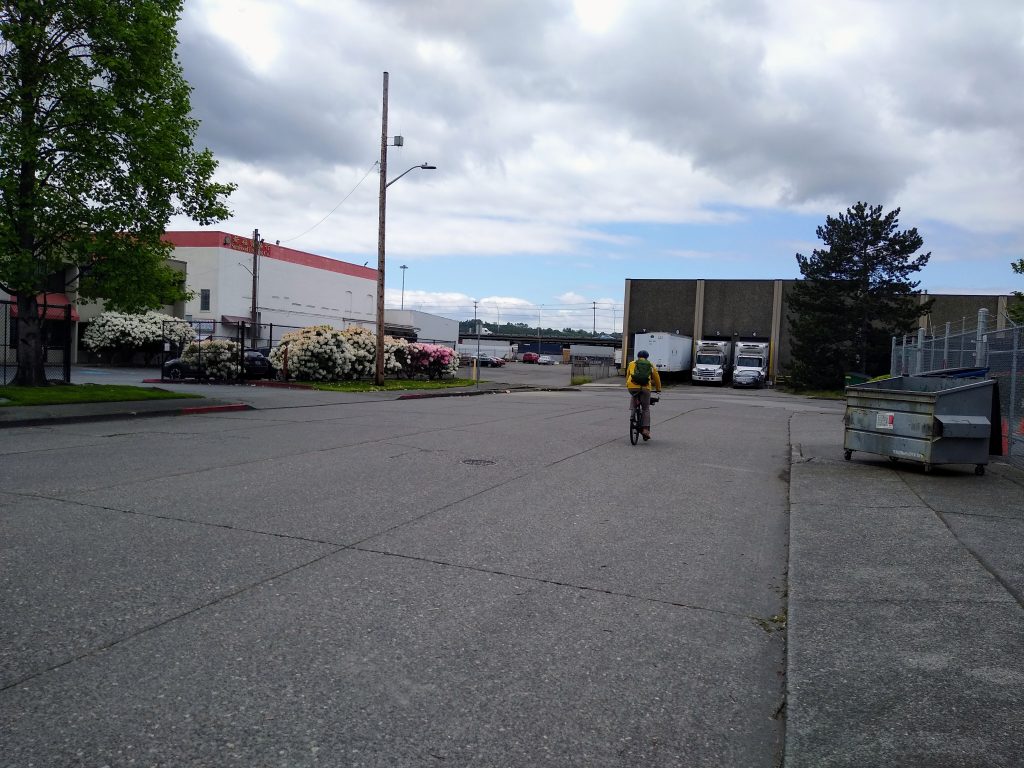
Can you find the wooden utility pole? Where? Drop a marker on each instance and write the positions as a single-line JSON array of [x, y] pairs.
[[379, 369], [256, 245]]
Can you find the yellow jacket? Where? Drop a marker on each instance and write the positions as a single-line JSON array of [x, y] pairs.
[[655, 378]]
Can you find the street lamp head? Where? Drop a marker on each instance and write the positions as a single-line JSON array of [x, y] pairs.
[[428, 167]]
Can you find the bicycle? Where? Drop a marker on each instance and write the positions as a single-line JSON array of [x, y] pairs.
[[636, 416]]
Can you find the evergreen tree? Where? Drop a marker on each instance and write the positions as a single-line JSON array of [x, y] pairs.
[[96, 155], [856, 294], [1016, 310]]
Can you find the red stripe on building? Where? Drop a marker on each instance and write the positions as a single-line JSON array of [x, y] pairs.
[[215, 239]]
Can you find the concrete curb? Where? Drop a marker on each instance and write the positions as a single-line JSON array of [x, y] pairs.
[[249, 383], [83, 418]]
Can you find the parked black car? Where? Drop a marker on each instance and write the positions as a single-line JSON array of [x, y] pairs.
[[255, 366]]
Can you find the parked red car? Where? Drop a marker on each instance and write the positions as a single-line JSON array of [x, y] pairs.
[[530, 357]]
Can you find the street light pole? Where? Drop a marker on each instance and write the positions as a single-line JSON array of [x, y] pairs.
[[378, 376], [403, 268]]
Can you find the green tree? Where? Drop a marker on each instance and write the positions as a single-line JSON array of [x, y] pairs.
[[96, 155], [1016, 310], [856, 294]]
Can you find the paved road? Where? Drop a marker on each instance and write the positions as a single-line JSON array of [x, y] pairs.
[[493, 580]]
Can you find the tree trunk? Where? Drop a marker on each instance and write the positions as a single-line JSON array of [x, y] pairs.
[[31, 354]]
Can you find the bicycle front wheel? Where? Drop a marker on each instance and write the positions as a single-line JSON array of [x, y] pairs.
[[634, 427]]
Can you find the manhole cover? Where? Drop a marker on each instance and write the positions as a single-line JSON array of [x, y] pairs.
[[479, 462]]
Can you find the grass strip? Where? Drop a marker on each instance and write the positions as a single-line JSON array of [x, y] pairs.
[[65, 394]]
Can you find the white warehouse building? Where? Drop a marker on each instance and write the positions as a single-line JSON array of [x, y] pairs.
[[295, 288]]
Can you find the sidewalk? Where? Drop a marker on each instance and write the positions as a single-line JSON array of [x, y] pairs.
[[906, 620]]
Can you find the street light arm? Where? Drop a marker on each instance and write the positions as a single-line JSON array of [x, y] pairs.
[[424, 166]]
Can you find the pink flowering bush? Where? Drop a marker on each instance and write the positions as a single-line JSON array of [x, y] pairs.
[[433, 360]]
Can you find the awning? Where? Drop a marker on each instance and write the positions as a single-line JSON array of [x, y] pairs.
[[236, 319], [55, 303]]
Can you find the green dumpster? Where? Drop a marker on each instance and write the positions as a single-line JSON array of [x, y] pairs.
[[931, 420]]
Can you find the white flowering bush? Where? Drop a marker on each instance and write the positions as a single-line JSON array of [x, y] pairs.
[[432, 360], [119, 334], [214, 358], [314, 354], [396, 356], [323, 353]]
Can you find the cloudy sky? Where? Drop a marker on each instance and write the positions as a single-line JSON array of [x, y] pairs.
[[582, 142]]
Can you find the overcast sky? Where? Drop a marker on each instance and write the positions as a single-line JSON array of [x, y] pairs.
[[582, 142]]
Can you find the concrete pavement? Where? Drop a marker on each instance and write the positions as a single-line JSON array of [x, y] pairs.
[[903, 631], [906, 618]]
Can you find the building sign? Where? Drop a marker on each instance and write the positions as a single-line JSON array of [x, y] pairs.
[[244, 244]]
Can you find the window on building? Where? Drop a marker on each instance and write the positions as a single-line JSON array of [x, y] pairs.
[[204, 300]]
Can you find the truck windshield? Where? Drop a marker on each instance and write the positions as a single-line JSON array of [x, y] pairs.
[[749, 362], [712, 359]]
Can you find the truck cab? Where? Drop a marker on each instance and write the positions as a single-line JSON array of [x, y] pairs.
[[751, 368], [713, 363]]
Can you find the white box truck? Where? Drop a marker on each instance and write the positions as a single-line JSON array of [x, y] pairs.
[[669, 352], [714, 361], [751, 369]]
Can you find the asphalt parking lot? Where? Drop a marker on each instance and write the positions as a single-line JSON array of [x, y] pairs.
[[356, 579], [494, 580]]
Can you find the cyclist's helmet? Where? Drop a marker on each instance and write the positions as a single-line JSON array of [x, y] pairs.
[[642, 353]]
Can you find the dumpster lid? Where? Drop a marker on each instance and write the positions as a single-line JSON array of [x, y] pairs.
[[945, 418], [964, 426]]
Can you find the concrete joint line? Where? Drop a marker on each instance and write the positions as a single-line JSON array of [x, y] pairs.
[[538, 580], [1010, 589], [157, 624]]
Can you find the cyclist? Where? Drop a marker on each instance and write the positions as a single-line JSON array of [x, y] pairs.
[[642, 388]]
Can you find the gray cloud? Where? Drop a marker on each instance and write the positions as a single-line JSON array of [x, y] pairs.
[[692, 81]]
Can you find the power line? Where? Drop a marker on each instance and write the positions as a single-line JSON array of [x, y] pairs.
[[346, 197]]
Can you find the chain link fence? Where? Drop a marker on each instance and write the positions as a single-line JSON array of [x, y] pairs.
[[592, 368], [995, 352], [250, 362], [56, 329]]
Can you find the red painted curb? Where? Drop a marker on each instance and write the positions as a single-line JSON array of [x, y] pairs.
[[215, 408]]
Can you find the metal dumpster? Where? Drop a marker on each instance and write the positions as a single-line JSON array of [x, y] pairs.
[[932, 420]]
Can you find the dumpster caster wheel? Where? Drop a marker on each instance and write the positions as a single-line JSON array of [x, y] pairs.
[[980, 469], [927, 469], [847, 454], [894, 459]]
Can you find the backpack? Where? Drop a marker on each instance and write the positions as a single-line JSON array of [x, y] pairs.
[[642, 372]]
